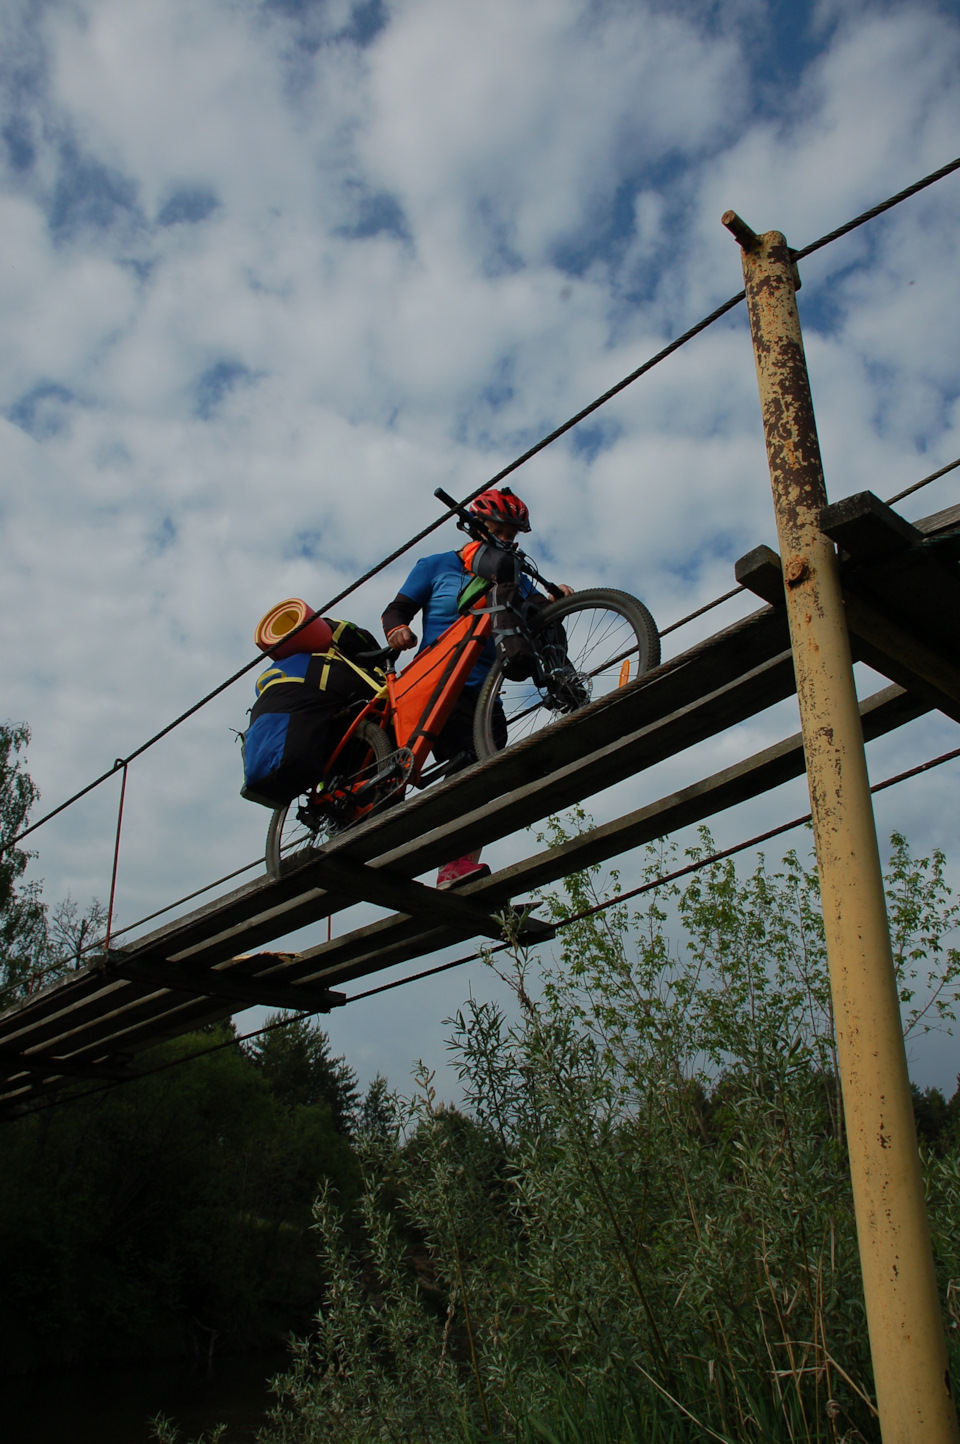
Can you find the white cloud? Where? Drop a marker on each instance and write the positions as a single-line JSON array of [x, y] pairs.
[[265, 288]]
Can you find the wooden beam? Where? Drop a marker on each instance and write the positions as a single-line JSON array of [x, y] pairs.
[[883, 643], [269, 992], [150, 989], [905, 658], [393, 890], [868, 529], [261, 909], [44, 1065], [359, 952]]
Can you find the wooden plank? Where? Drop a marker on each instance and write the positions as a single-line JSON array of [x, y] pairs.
[[868, 529], [760, 572], [914, 583], [497, 817], [394, 890], [939, 521], [352, 955], [261, 910], [135, 1023], [876, 638], [269, 992], [637, 751], [129, 1019], [905, 658], [731, 652], [42, 1065], [706, 689], [881, 713]]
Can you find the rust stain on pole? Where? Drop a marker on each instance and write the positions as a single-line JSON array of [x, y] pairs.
[[903, 1308]]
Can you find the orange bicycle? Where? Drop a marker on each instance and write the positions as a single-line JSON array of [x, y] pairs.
[[585, 645]]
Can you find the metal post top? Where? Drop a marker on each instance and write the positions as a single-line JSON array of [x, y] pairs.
[[751, 243]]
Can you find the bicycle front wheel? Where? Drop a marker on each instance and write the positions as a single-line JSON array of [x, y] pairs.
[[309, 821], [589, 644]]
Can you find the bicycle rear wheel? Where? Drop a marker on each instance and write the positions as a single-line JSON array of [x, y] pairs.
[[312, 819], [590, 644]]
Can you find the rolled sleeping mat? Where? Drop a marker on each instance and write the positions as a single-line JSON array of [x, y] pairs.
[[280, 622]]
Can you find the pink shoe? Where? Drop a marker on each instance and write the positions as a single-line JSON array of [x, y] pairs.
[[452, 874]]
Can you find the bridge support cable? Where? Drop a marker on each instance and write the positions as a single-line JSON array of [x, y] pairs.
[[903, 1309]]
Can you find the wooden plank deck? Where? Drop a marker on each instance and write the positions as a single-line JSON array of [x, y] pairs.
[[902, 586]]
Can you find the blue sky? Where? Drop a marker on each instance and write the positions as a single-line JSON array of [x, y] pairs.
[[273, 271]]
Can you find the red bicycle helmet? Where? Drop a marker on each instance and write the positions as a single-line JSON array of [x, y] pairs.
[[501, 506]]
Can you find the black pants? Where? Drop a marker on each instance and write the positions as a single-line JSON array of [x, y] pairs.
[[456, 739]]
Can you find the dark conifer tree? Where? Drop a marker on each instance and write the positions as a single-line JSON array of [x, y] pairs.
[[297, 1065]]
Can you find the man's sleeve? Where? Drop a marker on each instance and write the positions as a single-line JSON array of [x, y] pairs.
[[400, 613]]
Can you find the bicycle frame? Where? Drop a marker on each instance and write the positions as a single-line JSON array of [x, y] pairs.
[[416, 703]]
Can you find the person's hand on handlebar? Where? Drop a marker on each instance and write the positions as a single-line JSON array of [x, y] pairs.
[[401, 639]]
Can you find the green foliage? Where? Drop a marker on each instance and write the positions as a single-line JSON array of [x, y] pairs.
[[172, 1213], [23, 934], [378, 1112], [164, 1215], [642, 1226], [35, 948], [296, 1064]]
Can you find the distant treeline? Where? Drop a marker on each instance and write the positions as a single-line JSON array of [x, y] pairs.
[[169, 1215], [172, 1215]]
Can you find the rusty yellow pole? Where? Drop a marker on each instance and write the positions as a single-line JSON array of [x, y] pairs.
[[903, 1309]]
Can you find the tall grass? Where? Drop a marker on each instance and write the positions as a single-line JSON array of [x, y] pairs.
[[639, 1226]]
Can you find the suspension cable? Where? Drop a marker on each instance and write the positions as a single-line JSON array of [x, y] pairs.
[[878, 210], [506, 471], [907, 491]]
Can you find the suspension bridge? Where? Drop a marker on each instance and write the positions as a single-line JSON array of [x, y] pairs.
[[901, 584]]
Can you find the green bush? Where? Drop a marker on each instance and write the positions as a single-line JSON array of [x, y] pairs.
[[641, 1225]]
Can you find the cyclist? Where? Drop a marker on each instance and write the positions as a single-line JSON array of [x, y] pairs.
[[433, 588]]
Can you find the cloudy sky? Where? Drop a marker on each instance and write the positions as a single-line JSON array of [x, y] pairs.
[[272, 270]]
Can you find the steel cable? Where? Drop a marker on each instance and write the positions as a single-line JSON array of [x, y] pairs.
[[925, 481]]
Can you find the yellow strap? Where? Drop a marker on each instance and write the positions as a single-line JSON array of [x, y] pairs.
[[333, 654], [276, 677], [360, 672]]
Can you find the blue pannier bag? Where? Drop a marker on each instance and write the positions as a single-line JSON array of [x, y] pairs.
[[304, 705]]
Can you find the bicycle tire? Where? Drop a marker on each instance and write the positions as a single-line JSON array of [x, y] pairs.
[[629, 632], [286, 835]]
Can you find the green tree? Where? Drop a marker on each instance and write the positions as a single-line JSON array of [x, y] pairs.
[[23, 921], [379, 1112], [35, 947], [162, 1214], [642, 1227], [296, 1063]]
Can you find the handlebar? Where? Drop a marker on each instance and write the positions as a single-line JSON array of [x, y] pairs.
[[476, 527], [383, 657]]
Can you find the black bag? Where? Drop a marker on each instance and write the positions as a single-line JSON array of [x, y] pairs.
[[304, 705]]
